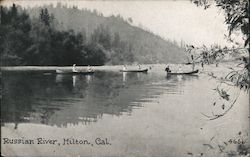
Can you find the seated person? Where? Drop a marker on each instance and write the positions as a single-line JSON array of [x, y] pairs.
[[89, 69], [74, 68], [167, 69], [124, 67], [139, 66], [180, 69]]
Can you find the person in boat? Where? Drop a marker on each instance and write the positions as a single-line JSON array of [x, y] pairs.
[[193, 63], [202, 65], [89, 69], [139, 66], [167, 69], [74, 68], [124, 68], [180, 69]]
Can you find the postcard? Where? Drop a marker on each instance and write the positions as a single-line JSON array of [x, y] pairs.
[[123, 78]]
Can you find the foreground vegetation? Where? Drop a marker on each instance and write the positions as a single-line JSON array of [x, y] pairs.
[[237, 19]]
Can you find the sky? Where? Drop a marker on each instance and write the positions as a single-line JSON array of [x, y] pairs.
[[178, 20]]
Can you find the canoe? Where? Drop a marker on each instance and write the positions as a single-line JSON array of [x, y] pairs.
[[188, 63], [142, 70], [183, 73], [71, 72]]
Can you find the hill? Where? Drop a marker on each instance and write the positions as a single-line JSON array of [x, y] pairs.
[[145, 46]]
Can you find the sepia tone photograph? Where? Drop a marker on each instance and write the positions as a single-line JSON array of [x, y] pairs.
[[124, 78]]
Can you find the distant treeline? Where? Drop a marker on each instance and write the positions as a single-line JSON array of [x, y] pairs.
[[65, 36], [26, 41]]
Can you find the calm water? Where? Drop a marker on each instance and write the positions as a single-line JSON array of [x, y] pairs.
[[139, 114]]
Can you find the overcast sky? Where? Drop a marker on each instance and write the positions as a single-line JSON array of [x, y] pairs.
[[174, 20]]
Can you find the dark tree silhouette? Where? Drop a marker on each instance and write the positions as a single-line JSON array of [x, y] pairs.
[[45, 17]]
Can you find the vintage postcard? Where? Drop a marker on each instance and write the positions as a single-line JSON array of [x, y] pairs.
[[123, 78]]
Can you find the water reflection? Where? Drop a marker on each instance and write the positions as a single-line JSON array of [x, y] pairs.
[[59, 78], [89, 78], [129, 109], [65, 99], [181, 77], [124, 74], [74, 80]]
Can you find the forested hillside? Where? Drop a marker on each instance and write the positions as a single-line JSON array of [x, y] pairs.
[[62, 36]]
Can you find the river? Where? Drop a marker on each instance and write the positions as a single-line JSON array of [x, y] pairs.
[[119, 114]]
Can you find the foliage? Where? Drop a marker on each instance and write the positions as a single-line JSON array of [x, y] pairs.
[[236, 15], [102, 36], [145, 47], [237, 19], [14, 35], [45, 17], [38, 41], [215, 54]]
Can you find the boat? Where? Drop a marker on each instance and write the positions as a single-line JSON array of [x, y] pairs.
[[183, 73], [141, 70], [188, 63], [77, 72]]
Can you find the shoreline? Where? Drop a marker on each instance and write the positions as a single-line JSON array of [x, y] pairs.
[[53, 68], [102, 67], [220, 71]]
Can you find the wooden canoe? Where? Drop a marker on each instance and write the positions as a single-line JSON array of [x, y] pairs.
[[71, 72], [142, 70], [183, 73]]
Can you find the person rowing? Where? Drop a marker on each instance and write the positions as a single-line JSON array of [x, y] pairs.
[[89, 69], [124, 68], [139, 66], [74, 68], [180, 69], [193, 62], [167, 69]]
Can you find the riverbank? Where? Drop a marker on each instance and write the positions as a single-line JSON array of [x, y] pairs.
[[108, 67], [53, 68], [216, 70]]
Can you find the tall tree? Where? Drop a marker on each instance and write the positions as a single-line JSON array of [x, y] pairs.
[[14, 35], [45, 17]]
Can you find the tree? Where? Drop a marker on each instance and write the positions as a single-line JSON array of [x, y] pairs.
[[25, 41], [14, 36], [95, 54], [237, 19], [116, 42], [45, 17], [236, 15], [102, 36], [13, 10]]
